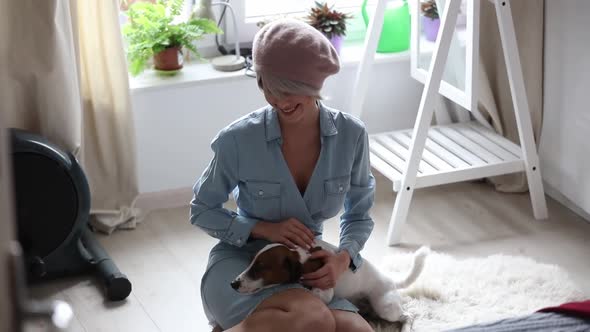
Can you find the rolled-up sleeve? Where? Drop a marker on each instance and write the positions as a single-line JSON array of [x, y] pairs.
[[211, 191], [356, 224]]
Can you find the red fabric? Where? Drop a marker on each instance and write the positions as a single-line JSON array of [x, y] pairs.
[[578, 309]]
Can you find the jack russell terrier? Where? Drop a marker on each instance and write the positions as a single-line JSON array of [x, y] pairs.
[[278, 264]]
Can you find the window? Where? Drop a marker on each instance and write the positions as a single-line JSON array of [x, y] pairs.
[[125, 4], [263, 8], [207, 46], [250, 12]]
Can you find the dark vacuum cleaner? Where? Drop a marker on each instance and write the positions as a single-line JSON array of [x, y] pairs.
[[52, 200]]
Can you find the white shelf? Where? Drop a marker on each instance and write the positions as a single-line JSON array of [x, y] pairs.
[[453, 153], [457, 152]]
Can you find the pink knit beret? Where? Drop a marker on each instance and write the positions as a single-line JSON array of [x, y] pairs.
[[294, 50]]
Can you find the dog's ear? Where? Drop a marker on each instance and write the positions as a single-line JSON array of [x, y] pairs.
[[294, 267], [312, 265]]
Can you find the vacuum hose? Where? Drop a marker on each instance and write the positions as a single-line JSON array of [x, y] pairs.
[[117, 286]]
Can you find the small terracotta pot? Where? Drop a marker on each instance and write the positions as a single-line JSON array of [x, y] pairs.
[[168, 59]]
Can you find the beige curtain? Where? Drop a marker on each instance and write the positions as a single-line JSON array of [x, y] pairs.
[[39, 88], [108, 142], [64, 76], [495, 100]]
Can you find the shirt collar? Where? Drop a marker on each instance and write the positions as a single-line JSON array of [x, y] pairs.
[[273, 129]]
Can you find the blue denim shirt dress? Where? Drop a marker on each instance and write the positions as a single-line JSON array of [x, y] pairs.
[[248, 161]]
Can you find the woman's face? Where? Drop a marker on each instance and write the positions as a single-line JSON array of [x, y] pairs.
[[292, 108]]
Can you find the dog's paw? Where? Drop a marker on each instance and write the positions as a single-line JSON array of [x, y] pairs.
[[392, 312], [407, 320], [388, 306]]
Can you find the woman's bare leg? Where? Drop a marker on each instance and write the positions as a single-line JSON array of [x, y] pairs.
[[347, 321], [293, 310]]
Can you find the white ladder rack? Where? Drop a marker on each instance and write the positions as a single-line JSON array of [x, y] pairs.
[[453, 153], [427, 156]]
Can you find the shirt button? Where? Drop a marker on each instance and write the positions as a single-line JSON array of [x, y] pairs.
[[239, 241], [341, 188], [260, 193]]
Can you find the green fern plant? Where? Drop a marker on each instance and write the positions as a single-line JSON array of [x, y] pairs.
[[150, 30]]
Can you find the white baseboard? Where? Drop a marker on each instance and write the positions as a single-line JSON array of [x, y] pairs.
[[165, 199], [558, 196]]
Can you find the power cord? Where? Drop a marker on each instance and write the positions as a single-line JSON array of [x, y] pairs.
[[221, 48], [224, 51], [246, 52], [250, 72]]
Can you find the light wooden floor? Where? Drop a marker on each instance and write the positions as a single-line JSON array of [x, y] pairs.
[[165, 256]]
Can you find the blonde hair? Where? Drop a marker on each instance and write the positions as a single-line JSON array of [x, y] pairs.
[[280, 87]]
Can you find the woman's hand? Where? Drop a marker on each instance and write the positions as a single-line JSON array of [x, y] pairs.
[[327, 275], [290, 232]]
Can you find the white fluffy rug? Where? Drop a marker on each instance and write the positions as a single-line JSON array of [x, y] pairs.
[[452, 293]]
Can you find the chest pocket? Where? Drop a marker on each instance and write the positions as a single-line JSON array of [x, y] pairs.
[[263, 199], [335, 192]]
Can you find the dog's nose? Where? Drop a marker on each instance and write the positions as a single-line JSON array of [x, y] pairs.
[[235, 284]]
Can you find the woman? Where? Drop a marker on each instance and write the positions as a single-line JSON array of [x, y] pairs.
[[291, 165]]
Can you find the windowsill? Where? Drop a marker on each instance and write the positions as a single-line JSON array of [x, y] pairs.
[[195, 73]]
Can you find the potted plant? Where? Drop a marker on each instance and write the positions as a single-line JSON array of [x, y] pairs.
[[330, 22], [430, 19], [152, 31]]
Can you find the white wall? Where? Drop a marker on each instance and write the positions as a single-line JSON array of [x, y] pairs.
[[564, 146], [175, 125]]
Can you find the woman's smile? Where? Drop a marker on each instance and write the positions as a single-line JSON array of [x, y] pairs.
[[292, 110]]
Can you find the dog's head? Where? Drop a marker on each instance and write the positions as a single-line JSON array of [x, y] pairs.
[[273, 265]]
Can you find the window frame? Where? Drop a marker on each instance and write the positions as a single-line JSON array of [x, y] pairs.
[[247, 27], [246, 30]]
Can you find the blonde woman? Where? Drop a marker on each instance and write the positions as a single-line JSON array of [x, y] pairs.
[[291, 166]]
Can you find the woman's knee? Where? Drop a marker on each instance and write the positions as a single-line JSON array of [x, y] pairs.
[[316, 316], [350, 321], [304, 311]]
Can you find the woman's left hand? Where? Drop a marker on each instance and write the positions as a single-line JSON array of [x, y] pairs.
[[327, 275]]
